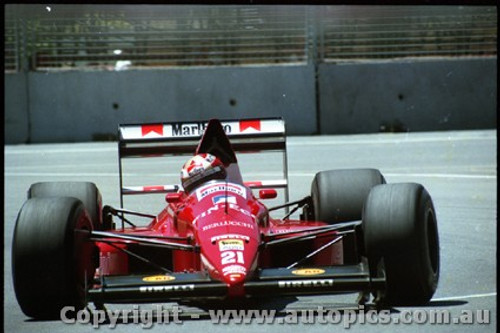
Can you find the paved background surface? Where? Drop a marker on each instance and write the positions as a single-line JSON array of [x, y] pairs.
[[457, 168]]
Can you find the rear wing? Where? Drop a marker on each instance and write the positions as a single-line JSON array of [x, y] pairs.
[[183, 138]]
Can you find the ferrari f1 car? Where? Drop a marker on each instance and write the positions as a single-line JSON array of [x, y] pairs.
[[215, 239]]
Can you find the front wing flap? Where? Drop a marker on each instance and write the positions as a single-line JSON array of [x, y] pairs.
[[266, 282]]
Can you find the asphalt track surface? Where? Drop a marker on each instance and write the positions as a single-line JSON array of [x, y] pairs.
[[457, 168]]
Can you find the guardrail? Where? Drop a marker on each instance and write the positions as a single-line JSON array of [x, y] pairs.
[[62, 37]]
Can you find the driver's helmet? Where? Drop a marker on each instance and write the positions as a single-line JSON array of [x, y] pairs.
[[200, 169]]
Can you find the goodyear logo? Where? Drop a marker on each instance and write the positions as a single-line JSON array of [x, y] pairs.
[[308, 271], [158, 278]]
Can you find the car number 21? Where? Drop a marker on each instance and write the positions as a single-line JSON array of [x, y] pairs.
[[231, 257]]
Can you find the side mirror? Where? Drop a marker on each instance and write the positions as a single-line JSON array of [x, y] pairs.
[[173, 197], [268, 193]]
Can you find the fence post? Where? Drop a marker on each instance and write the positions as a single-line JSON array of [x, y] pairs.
[[25, 70], [313, 35]]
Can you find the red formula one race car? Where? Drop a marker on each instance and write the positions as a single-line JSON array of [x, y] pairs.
[[215, 239]]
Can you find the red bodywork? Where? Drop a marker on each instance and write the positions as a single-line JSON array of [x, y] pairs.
[[228, 236], [219, 240], [227, 224]]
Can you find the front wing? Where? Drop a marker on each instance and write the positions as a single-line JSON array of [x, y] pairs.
[[266, 282]]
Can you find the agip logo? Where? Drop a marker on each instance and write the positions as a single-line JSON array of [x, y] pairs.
[[308, 271], [158, 278]]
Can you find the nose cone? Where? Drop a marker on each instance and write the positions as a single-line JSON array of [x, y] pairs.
[[229, 242], [234, 276], [230, 258], [235, 285], [237, 254]]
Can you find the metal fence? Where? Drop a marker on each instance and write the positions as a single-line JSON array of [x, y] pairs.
[[12, 50], [117, 37], [407, 31]]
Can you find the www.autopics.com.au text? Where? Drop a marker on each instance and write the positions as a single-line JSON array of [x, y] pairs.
[[158, 315]]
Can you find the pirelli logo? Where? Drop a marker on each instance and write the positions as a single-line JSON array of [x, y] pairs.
[[318, 283], [167, 289]]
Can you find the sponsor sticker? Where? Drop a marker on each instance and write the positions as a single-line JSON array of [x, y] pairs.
[[234, 269], [234, 277], [158, 278], [155, 129], [219, 237], [231, 245], [166, 289], [306, 283], [308, 271], [253, 125], [226, 188], [222, 199], [228, 224], [194, 129], [216, 208]]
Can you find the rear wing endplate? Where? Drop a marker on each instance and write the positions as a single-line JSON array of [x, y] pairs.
[[182, 138]]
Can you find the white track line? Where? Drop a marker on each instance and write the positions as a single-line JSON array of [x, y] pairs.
[[25, 150], [440, 175], [356, 139], [454, 298], [420, 175], [64, 174], [292, 174], [397, 139]]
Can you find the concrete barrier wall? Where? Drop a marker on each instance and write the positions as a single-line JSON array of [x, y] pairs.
[[353, 98], [16, 112], [84, 106], [408, 96]]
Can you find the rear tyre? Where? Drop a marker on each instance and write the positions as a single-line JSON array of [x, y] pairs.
[[338, 195], [51, 262], [86, 192], [401, 240]]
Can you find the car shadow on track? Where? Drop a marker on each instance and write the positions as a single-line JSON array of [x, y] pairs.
[[235, 311], [446, 303]]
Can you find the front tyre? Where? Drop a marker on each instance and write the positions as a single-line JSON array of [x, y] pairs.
[[338, 195], [52, 262], [86, 192], [401, 238]]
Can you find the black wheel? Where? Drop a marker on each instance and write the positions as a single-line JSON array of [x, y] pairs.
[[339, 195], [51, 262], [86, 192], [400, 227]]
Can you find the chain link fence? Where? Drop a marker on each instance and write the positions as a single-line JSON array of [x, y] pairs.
[[119, 37]]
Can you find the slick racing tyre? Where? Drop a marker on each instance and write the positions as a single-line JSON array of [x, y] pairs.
[[52, 263], [86, 192], [401, 241], [338, 195]]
